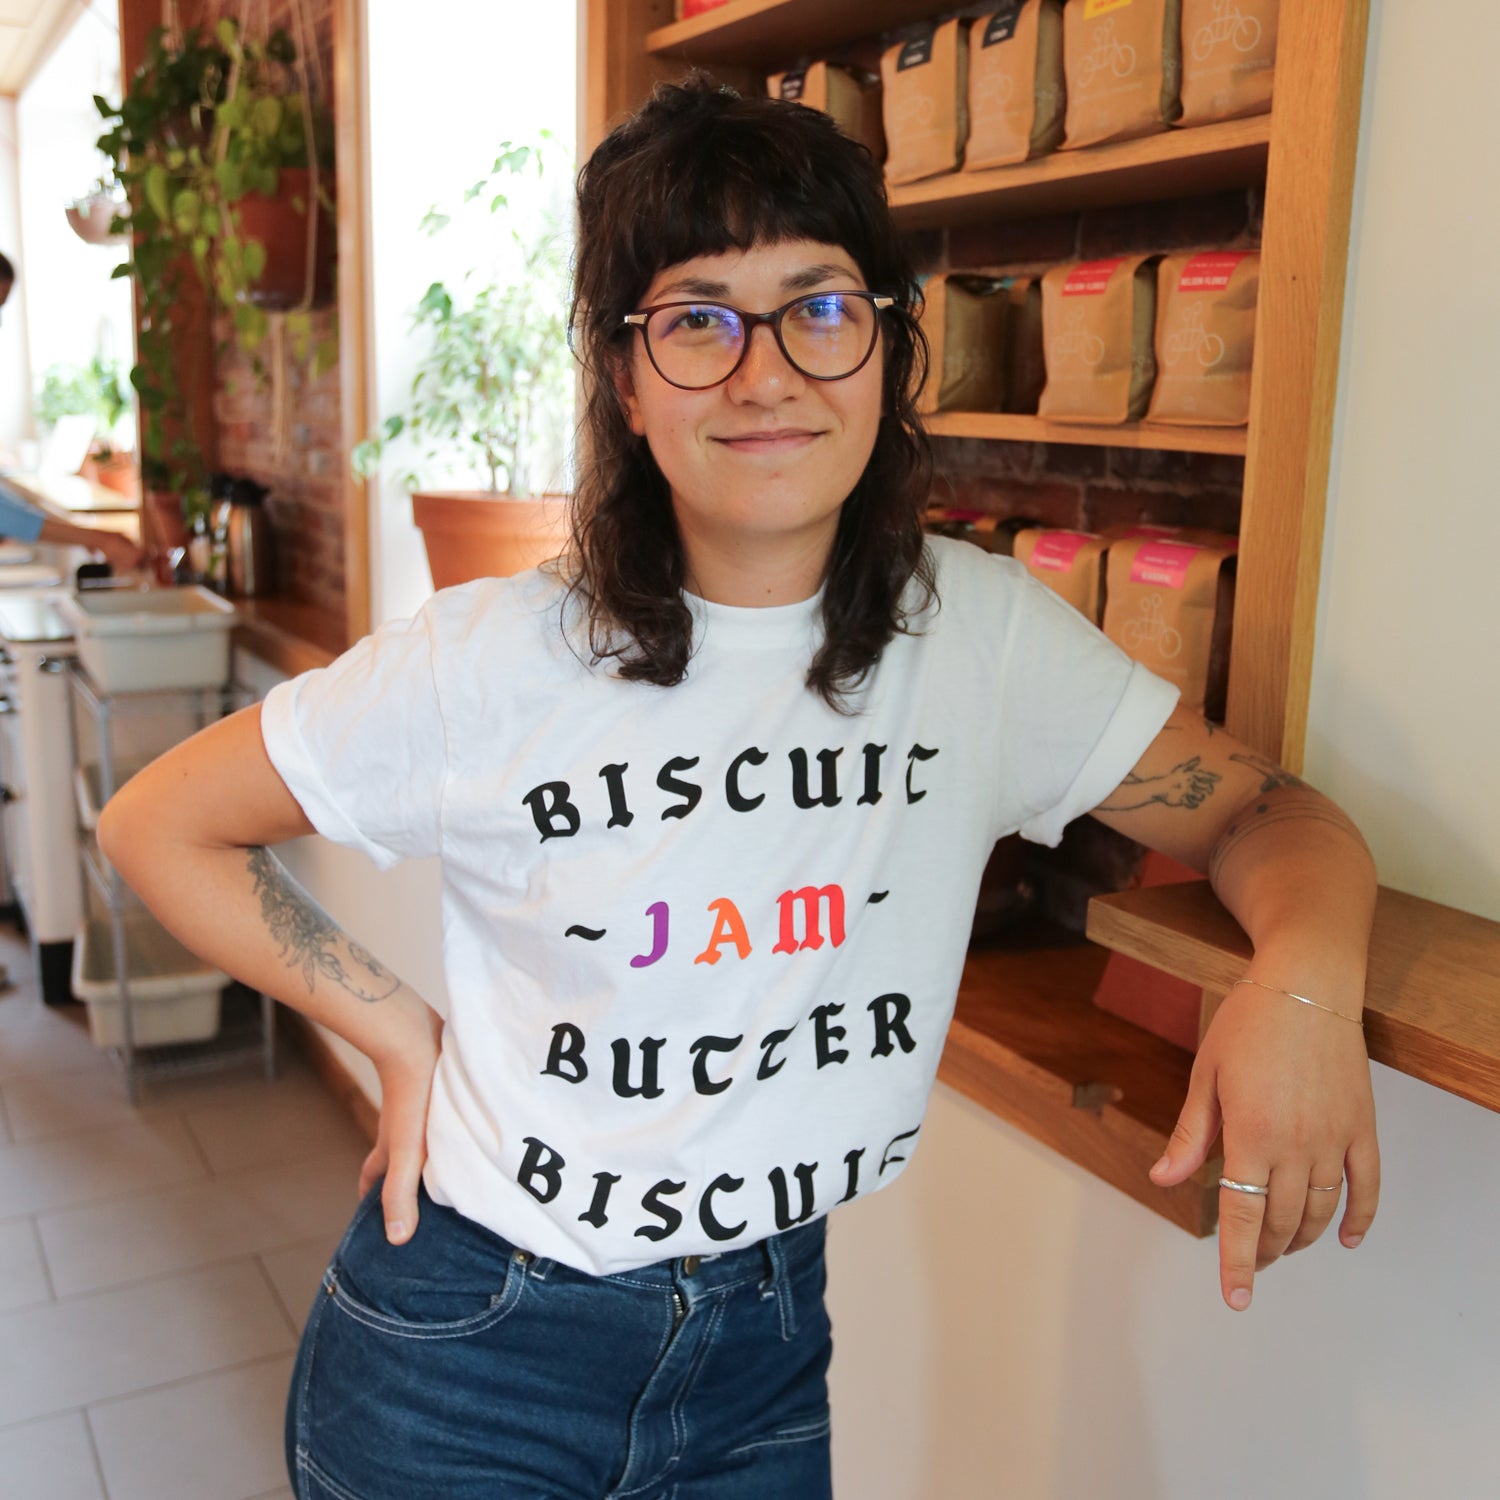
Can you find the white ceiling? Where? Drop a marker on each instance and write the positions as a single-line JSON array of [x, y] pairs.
[[28, 29]]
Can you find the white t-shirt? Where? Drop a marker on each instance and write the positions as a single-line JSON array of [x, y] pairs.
[[702, 943]]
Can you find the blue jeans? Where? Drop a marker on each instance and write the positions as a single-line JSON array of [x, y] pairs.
[[458, 1367]]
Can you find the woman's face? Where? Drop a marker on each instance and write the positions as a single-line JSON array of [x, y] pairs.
[[759, 465]]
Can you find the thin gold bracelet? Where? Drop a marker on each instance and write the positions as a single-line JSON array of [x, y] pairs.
[[1356, 1020]]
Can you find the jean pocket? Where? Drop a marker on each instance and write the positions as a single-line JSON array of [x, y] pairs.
[[428, 1288]]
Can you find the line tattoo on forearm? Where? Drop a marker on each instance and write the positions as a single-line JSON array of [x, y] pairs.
[[1273, 778], [309, 939], [1312, 807], [1187, 785]]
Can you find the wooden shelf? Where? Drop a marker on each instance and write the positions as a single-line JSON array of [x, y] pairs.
[[289, 636], [755, 33], [1029, 1045], [1432, 1003], [1023, 429], [1175, 164]]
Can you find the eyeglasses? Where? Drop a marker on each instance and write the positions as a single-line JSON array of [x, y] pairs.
[[824, 336]]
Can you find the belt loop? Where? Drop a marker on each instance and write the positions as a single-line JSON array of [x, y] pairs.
[[777, 1284]]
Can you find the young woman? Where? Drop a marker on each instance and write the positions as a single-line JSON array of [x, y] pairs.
[[712, 802]]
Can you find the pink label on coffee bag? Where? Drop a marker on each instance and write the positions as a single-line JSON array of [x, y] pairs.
[[1165, 563], [1091, 278], [1210, 273], [1057, 551]]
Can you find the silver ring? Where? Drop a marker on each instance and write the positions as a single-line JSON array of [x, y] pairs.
[[1243, 1187], [1312, 1187]]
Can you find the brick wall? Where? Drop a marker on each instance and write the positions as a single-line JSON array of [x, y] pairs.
[[279, 425]]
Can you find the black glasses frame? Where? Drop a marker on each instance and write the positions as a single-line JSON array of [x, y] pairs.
[[750, 321]]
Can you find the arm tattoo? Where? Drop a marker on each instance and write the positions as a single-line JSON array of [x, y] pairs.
[[1313, 808], [309, 939], [1187, 785], [1272, 776]]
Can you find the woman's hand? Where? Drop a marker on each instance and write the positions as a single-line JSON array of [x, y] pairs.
[[1291, 1087], [400, 1150]]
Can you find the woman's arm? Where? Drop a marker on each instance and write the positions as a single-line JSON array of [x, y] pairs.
[[190, 833], [1289, 1082]]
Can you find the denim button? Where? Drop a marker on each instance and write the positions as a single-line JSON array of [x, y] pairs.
[[690, 1265], [520, 1257]]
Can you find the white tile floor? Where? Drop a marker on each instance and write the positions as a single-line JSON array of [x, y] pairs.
[[155, 1263]]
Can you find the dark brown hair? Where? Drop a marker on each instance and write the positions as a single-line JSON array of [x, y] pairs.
[[696, 171]]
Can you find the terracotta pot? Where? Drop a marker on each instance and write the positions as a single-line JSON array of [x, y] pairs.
[[117, 473], [281, 226], [475, 534]]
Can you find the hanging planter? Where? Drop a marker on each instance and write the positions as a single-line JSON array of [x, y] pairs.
[[279, 222], [92, 216]]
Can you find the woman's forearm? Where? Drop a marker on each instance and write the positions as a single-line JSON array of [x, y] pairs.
[[1296, 874], [239, 909]]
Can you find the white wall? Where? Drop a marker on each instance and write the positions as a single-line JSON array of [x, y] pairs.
[[1006, 1325], [15, 369], [443, 95]]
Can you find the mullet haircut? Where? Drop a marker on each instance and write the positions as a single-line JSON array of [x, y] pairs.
[[698, 170]]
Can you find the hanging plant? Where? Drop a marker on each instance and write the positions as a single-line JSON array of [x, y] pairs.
[[207, 133]]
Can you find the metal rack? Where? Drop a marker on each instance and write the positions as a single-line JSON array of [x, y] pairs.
[[247, 1031]]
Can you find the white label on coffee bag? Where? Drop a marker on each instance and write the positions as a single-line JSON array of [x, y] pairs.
[[915, 54], [1002, 25], [793, 83]]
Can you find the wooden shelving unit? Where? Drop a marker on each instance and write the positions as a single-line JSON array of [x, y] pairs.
[[1023, 429], [1027, 1041]]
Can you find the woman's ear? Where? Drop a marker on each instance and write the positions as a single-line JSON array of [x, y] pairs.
[[623, 378]]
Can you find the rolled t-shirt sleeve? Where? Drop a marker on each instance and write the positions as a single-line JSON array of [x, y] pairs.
[[360, 744], [1076, 712]]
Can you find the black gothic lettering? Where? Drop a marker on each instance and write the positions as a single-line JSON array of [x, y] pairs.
[[700, 1050], [890, 1012], [620, 815], [566, 1051], [851, 1160], [804, 1171], [603, 1182], [649, 1087], [823, 1034], [671, 1218], [536, 1164], [768, 1043], [736, 799], [916, 753], [550, 807], [668, 781], [828, 794], [723, 1183], [887, 1160], [871, 794]]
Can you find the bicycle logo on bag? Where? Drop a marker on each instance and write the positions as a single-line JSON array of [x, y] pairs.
[[1152, 630], [994, 90], [1076, 342], [1109, 52], [1193, 338], [1229, 24], [913, 115]]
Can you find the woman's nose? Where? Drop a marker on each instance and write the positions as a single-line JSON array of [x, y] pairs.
[[765, 374]]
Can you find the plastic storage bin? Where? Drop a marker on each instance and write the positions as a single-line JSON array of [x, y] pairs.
[[147, 640], [174, 995]]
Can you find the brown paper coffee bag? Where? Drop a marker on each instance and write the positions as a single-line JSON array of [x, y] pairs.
[[1228, 58], [926, 103], [1170, 605], [1016, 94], [1205, 338], [853, 101], [1070, 563], [1098, 318], [1025, 356], [1124, 68], [964, 319]]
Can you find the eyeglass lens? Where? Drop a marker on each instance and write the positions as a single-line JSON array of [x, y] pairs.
[[697, 344]]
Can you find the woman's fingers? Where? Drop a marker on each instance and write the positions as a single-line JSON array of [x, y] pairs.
[[1241, 1215], [1362, 1171], [403, 1128], [1286, 1206], [1325, 1185], [374, 1167]]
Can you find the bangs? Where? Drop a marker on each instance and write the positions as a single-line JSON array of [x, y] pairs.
[[739, 184]]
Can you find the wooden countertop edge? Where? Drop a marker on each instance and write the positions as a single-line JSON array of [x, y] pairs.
[[1432, 1006], [290, 637]]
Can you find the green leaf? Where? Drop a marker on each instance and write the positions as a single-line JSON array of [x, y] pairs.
[[124, 269], [228, 34], [158, 187], [471, 193], [265, 117], [325, 357], [432, 221], [185, 211], [254, 260], [394, 427], [498, 202]]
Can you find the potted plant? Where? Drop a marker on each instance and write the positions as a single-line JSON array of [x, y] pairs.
[[497, 372], [94, 391], [227, 167]]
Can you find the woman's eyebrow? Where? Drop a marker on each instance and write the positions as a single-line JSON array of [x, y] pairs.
[[799, 281]]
